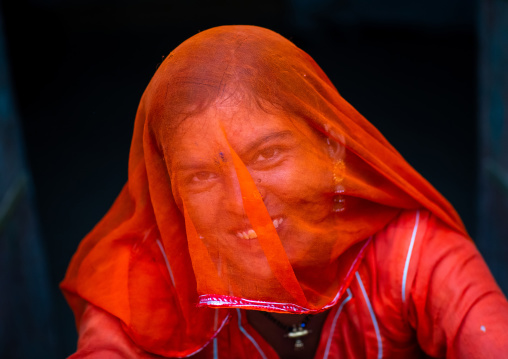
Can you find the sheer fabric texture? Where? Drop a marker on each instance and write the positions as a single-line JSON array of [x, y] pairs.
[[252, 184]]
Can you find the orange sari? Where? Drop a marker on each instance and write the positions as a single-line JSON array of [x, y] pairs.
[[252, 184]]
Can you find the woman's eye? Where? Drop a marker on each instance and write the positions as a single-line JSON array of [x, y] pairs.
[[266, 154], [202, 176]]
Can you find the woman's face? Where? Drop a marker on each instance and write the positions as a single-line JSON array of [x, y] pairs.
[[290, 164]]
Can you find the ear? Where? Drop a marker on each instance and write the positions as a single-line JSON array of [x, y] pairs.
[[337, 148]]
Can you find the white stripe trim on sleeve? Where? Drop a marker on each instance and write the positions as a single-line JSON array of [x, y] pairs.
[[242, 329], [166, 260], [332, 329], [408, 256], [373, 317], [215, 349]]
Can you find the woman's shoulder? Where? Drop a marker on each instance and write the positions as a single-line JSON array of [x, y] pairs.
[[413, 249], [426, 277], [101, 336], [413, 231], [441, 286]]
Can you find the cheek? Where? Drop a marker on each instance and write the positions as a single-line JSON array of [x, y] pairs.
[[298, 180], [203, 209]]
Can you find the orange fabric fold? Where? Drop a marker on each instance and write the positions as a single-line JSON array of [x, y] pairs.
[[267, 235], [252, 184]]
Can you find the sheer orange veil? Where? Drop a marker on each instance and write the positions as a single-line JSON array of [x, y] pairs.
[[252, 184]]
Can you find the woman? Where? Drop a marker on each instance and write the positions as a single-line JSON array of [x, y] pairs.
[[264, 217]]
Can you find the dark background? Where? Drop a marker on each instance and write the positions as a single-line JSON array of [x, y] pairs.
[[78, 69]]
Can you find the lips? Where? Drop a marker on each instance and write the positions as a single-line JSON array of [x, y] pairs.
[[250, 233]]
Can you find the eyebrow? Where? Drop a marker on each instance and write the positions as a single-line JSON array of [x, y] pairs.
[[197, 165], [190, 166], [270, 137]]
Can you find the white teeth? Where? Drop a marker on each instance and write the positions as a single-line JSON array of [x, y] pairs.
[[250, 234], [247, 235], [277, 222], [242, 235]]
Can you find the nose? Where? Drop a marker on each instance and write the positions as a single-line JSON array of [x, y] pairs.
[[243, 188], [232, 200]]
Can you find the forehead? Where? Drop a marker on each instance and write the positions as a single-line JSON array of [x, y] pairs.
[[223, 125]]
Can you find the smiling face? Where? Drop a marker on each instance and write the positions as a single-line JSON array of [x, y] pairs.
[[290, 165]]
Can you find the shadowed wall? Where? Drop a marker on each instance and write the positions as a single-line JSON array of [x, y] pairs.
[[26, 321], [492, 236]]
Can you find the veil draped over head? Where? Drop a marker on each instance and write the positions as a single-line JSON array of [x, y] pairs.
[[252, 184]]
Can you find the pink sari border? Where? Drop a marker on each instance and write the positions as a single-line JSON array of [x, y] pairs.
[[226, 301]]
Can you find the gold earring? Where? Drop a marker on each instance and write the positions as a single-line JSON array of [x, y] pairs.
[[339, 172]]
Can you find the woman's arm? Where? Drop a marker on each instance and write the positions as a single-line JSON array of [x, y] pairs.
[[101, 336], [454, 303]]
